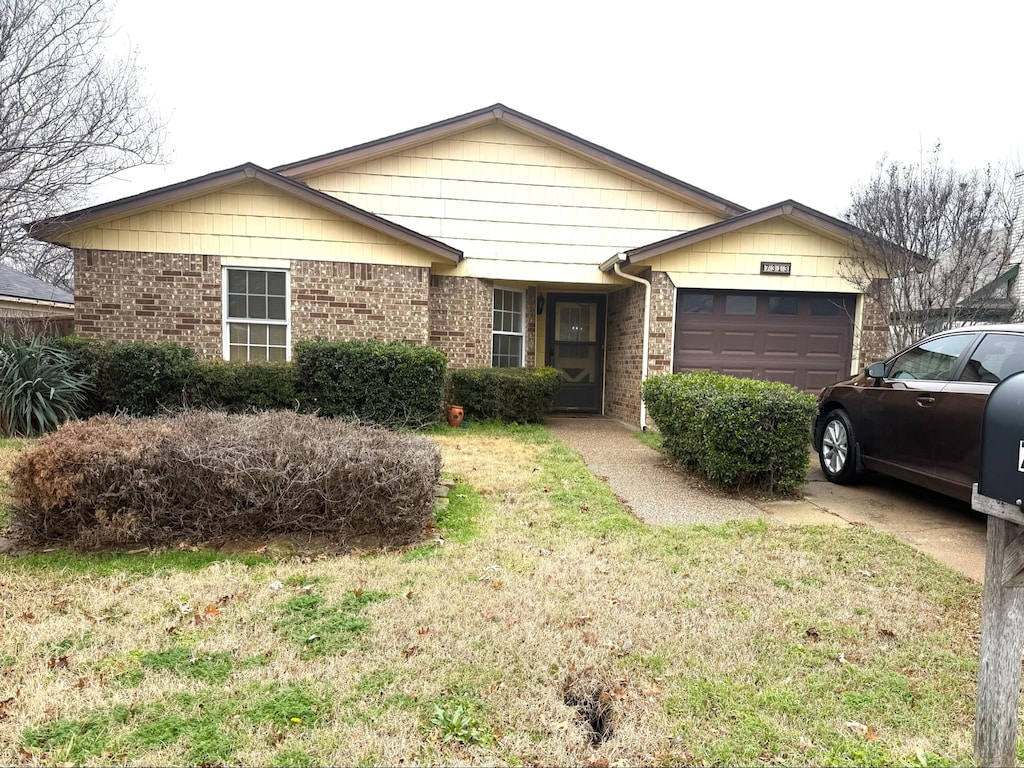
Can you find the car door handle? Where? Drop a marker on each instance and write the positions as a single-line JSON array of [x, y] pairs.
[[926, 401]]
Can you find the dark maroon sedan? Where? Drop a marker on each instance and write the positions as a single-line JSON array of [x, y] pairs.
[[917, 416]]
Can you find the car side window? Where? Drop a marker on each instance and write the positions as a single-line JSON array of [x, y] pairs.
[[997, 356], [934, 360]]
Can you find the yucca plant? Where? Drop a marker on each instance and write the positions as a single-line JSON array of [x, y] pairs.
[[38, 389]]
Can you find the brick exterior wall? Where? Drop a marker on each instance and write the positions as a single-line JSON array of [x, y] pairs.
[[624, 346], [874, 333], [460, 319], [623, 354], [663, 305], [160, 297], [126, 297], [347, 302]]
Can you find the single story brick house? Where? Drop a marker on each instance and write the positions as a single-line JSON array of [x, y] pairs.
[[496, 237]]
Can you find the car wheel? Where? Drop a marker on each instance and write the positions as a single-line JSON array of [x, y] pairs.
[[836, 450]]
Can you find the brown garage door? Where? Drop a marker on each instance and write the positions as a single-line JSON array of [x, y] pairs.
[[803, 339]]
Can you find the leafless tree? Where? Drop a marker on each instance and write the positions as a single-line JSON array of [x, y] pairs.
[[934, 238], [70, 114]]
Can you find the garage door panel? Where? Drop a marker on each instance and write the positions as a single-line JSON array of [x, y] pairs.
[[738, 342], [742, 373], [801, 345], [785, 375], [819, 379], [697, 341], [825, 344], [779, 343]]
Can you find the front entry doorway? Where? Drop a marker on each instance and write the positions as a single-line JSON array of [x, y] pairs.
[[575, 336]]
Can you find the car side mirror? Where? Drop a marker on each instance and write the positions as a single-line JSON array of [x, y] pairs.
[[876, 371]]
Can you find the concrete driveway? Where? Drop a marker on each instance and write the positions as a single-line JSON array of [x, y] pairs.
[[658, 492], [937, 525]]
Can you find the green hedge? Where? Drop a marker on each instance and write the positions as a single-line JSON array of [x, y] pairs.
[[387, 383], [740, 433], [522, 395], [140, 379], [243, 387]]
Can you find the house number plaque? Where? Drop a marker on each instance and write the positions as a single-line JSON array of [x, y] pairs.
[[776, 267]]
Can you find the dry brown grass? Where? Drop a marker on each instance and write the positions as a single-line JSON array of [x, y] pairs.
[[738, 644]]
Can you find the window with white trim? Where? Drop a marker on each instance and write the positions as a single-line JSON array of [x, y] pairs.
[[256, 314], [507, 329]]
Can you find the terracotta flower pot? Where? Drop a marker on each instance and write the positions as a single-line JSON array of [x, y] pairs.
[[455, 415]]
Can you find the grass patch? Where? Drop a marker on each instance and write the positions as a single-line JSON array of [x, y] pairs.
[[322, 629], [459, 521], [62, 563], [652, 438], [203, 727], [742, 643], [210, 668]]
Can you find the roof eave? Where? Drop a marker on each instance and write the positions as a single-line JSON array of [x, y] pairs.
[[788, 208], [56, 229]]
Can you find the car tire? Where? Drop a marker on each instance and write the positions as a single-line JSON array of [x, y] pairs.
[[836, 448]]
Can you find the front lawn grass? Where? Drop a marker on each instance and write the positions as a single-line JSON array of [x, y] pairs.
[[537, 623]]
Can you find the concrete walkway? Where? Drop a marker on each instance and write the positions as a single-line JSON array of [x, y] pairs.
[[661, 494], [644, 479]]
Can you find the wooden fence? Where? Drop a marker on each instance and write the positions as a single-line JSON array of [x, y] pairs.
[[25, 327]]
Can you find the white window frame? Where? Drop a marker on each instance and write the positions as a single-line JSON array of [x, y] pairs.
[[226, 320], [522, 324]]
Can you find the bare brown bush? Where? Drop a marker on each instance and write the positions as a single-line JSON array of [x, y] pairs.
[[203, 476]]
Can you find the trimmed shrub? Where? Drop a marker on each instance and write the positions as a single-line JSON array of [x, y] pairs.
[[201, 476], [522, 395], [386, 383], [39, 389], [86, 356], [144, 378], [242, 387], [740, 433]]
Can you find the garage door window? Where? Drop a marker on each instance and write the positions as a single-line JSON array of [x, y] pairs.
[[698, 303], [783, 305], [739, 304], [825, 308]]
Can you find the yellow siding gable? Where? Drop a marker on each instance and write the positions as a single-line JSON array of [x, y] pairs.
[[501, 195], [734, 259], [249, 220]]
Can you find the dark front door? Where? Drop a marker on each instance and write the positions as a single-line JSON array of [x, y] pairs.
[[575, 334]]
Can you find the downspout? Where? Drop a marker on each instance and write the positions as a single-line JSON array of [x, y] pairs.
[[613, 265]]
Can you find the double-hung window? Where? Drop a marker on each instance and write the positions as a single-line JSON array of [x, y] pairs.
[[256, 314], [507, 329]]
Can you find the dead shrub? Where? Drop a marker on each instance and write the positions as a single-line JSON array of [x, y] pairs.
[[202, 476]]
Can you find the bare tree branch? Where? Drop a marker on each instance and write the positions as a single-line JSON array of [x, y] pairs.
[[940, 236], [70, 115]]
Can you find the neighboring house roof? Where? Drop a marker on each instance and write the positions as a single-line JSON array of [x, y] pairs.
[[55, 229], [20, 286], [789, 209], [500, 113]]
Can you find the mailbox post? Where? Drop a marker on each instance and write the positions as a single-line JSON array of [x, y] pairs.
[[999, 493]]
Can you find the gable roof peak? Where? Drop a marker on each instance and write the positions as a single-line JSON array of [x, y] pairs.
[[372, 150]]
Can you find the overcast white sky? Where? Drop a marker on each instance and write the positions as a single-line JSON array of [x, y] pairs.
[[753, 101]]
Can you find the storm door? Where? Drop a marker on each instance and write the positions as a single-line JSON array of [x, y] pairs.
[[575, 334]]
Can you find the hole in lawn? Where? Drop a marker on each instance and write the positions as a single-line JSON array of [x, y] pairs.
[[594, 707]]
